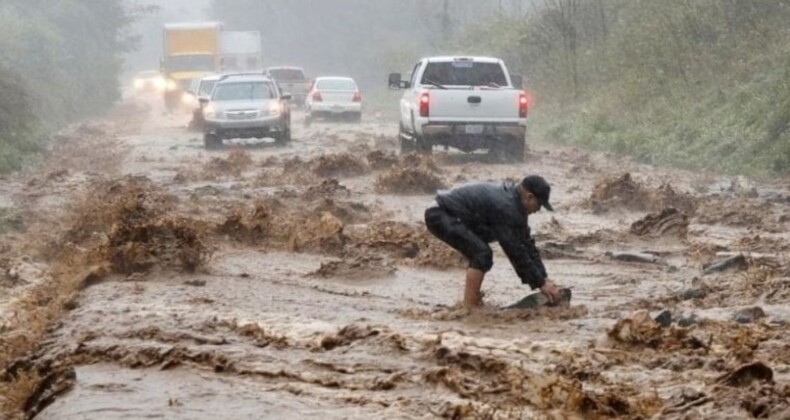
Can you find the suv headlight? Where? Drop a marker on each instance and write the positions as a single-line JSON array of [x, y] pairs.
[[274, 109], [211, 112]]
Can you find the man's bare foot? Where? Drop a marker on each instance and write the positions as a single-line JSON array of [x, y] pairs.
[[477, 302]]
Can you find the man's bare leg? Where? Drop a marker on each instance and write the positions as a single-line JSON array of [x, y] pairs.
[[474, 281]]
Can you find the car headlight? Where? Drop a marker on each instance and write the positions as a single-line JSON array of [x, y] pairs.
[[189, 99], [160, 83], [171, 85], [211, 112], [138, 84], [275, 109]]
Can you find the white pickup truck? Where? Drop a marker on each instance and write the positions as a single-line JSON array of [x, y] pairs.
[[469, 103]]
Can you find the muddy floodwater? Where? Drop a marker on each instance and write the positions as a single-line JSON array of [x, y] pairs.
[[259, 281]]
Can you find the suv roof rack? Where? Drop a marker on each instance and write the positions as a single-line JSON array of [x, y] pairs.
[[225, 76]]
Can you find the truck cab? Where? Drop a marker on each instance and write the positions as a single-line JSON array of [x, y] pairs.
[[469, 103], [190, 51]]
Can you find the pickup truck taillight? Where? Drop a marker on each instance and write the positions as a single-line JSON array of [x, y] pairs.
[[357, 97], [317, 96], [523, 105], [425, 104]]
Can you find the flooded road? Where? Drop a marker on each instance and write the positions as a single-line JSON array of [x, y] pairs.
[[282, 282]]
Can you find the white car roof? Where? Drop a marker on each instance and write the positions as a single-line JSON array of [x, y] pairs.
[[318, 79], [449, 59], [245, 78], [192, 25], [284, 68]]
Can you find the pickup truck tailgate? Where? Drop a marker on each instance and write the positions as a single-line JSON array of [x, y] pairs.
[[474, 104]]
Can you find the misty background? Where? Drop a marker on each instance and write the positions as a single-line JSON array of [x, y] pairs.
[[702, 84]]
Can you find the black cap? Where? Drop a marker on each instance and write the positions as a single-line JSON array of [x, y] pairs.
[[540, 188]]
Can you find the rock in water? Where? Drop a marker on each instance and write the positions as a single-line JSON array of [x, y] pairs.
[[641, 257], [749, 315], [664, 318], [536, 300], [738, 261], [687, 320], [694, 293]]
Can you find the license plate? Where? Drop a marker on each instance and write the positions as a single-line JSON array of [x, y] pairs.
[[474, 129]]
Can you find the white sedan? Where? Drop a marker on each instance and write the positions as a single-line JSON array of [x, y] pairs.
[[333, 97]]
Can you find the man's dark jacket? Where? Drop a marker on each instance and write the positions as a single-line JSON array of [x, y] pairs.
[[494, 212]]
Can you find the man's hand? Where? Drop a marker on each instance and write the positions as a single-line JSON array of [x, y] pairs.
[[551, 291]]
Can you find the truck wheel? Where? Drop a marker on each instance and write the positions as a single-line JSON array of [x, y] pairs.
[[516, 150], [212, 141], [424, 147], [508, 150], [406, 142], [284, 138]]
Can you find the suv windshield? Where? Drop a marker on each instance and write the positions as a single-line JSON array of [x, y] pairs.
[[179, 63], [344, 85], [464, 73], [287, 74], [206, 87], [244, 91]]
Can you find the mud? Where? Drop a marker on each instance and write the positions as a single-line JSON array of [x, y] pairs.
[[154, 279], [670, 222], [355, 269], [625, 192], [413, 174]]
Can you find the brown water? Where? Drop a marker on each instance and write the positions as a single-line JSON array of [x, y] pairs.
[[258, 334]]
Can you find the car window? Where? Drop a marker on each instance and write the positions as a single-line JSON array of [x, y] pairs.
[[414, 73], [206, 87], [464, 73], [244, 91], [336, 84], [296, 75]]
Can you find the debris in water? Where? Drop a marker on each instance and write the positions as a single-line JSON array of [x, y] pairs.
[[745, 375], [328, 187], [414, 174], [362, 267], [640, 257], [669, 222], [324, 234], [637, 328], [624, 192], [339, 165], [235, 164], [382, 160]]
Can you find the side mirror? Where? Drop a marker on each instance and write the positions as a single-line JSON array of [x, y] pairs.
[[203, 100], [395, 81], [517, 81], [286, 97]]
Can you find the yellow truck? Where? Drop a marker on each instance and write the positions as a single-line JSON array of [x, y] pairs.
[[190, 51]]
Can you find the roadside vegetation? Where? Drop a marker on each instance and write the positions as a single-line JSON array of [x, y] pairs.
[[703, 84], [60, 63]]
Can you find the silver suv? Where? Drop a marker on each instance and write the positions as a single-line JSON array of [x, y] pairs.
[[246, 106]]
